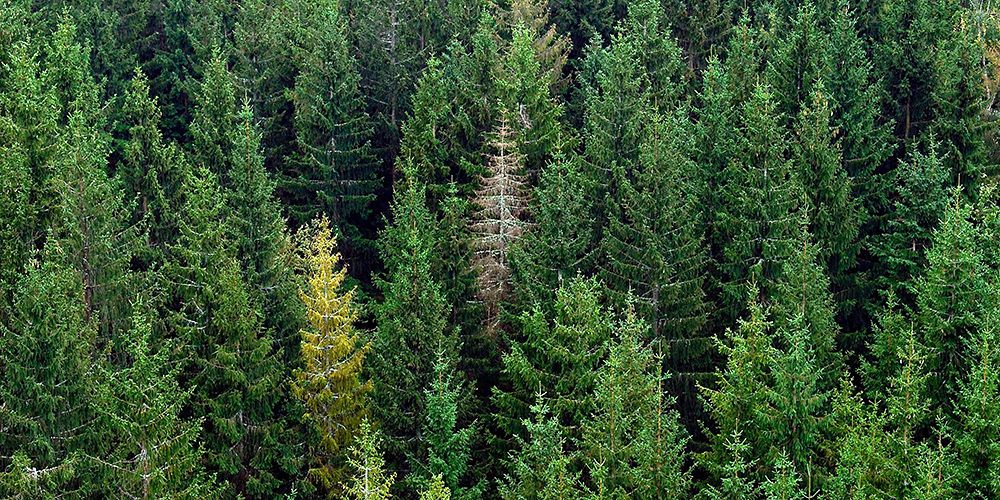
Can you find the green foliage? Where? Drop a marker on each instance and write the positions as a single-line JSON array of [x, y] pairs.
[[632, 439], [557, 357], [740, 443], [334, 169], [978, 409], [153, 447], [151, 170], [760, 211], [369, 481], [952, 300], [45, 351], [560, 244], [436, 490], [922, 198], [411, 325], [448, 448], [540, 469]]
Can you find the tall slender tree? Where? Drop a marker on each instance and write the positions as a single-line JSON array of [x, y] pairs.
[[329, 382]]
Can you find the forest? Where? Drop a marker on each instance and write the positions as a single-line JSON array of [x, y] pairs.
[[499, 249]]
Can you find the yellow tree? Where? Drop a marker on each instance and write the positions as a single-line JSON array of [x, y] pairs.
[[329, 382]]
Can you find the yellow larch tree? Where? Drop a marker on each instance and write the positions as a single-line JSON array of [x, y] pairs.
[[329, 381]]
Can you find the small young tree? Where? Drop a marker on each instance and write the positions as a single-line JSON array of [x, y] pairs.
[[540, 469], [368, 480]]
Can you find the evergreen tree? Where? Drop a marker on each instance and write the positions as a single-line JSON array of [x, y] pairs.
[[632, 438], [89, 220], [28, 113], [329, 382], [540, 469], [978, 411], [260, 239], [214, 121], [952, 301], [834, 215], [558, 357], [411, 326], [796, 418], [921, 196], [762, 199], [436, 490], [45, 354], [524, 101], [739, 446], [561, 241], [230, 360], [369, 480], [334, 169], [735, 475], [139, 406], [151, 170], [448, 448]]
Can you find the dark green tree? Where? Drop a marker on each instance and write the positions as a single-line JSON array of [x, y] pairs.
[[558, 357], [760, 214], [411, 322], [953, 301], [151, 169], [560, 244], [45, 354], [739, 446], [333, 170], [230, 360], [153, 452], [978, 412]]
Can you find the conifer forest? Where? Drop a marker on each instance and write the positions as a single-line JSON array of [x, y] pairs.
[[499, 249]]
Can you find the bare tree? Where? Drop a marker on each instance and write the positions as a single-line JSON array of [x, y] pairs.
[[502, 202]]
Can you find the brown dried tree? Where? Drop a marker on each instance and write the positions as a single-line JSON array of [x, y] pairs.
[[502, 202]]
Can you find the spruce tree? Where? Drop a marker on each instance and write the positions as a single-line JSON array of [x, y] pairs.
[[632, 437], [333, 170], [952, 301], [796, 418], [502, 202], [760, 211], [448, 448], [329, 382], [739, 446], [834, 215], [89, 220], [369, 480], [921, 197], [411, 324], [540, 469], [260, 238], [978, 413], [436, 490], [560, 244], [214, 119], [230, 360], [151, 170], [139, 406], [45, 353], [558, 357], [28, 114]]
